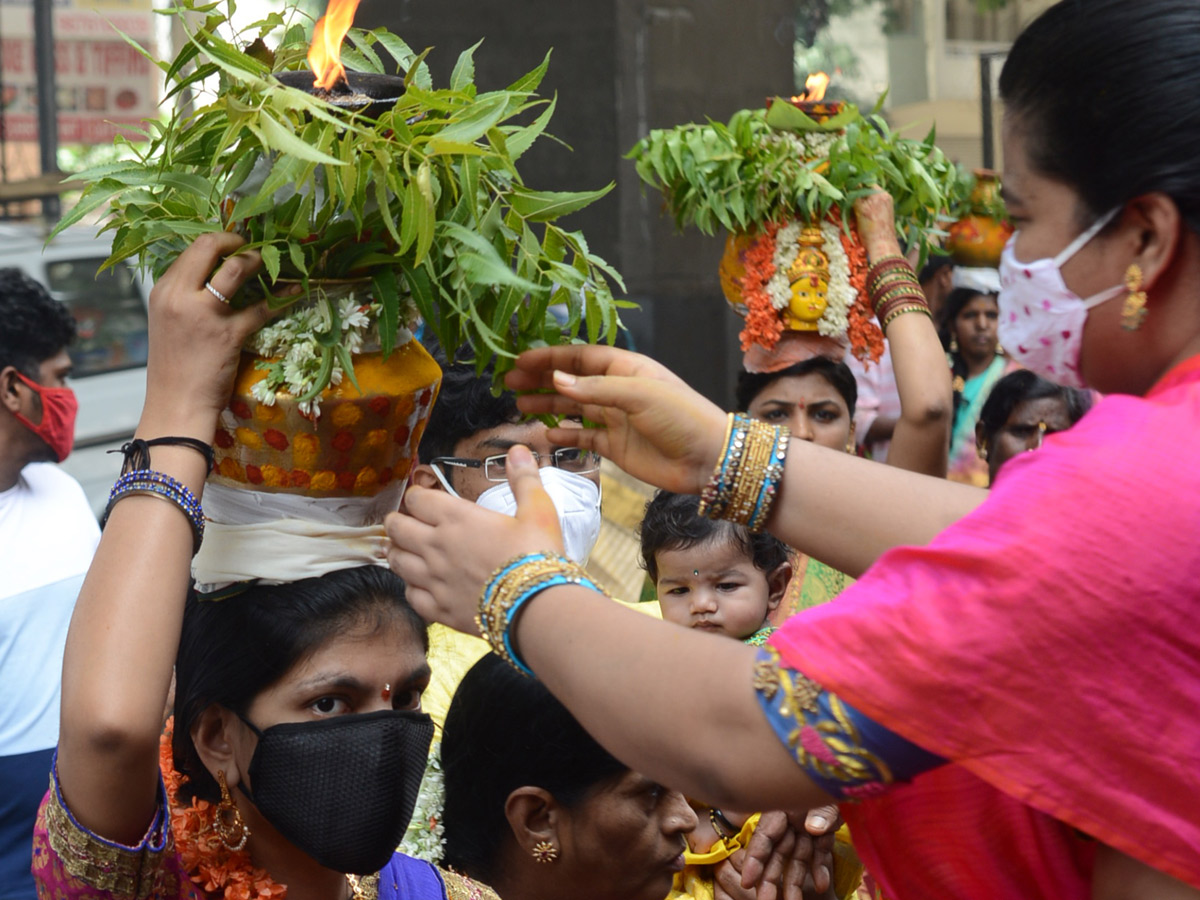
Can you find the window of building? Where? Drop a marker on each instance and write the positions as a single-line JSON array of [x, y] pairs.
[[109, 313], [965, 22]]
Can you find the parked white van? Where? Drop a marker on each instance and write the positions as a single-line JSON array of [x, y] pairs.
[[109, 356]]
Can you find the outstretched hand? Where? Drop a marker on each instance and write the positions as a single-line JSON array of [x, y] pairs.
[[429, 539], [646, 419]]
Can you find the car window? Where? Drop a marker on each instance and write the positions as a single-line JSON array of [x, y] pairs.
[[108, 310]]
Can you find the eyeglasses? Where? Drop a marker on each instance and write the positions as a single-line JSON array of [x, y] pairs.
[[495, 468]]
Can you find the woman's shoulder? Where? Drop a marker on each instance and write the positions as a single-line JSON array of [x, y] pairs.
[[460, 887], [408, 878], [70, 862]]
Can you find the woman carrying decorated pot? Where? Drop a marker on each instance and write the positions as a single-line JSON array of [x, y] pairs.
[[815, 398], [298, 741], [969, 328], [1006, 703]]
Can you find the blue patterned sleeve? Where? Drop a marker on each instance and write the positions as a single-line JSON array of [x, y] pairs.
[[844, 752]]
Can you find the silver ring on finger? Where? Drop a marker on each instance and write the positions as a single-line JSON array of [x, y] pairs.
[[208, 286]]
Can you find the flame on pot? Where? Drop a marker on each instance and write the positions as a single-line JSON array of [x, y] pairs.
[[814, 88], [325, 51]]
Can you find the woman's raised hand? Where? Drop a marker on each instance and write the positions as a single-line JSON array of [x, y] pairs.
[[195, 339], [876, 220], [446, 548], [636, 412]]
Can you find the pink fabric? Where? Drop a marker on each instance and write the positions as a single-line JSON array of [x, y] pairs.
[[961, 838], [1047, 644]]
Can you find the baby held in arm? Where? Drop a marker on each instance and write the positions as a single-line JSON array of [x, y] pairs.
[[718, 577]]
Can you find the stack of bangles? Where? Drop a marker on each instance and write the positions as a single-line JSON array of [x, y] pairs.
[[893, 290], [512, 586], [746, 479], [138, 478]]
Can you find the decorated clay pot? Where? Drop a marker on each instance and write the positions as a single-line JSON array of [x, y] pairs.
[[360, 444], [978, 239]]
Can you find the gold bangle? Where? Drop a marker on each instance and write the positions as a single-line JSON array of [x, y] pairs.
[[745, 479], [514, 584], [902, 298], [897, 313], [890, 276]]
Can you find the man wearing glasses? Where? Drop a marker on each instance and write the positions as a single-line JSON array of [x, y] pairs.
[[463, 452]]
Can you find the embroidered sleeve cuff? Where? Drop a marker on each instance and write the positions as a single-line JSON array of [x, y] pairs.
[[100, 864], [845, 753]]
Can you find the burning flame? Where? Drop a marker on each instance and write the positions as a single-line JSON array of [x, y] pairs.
[[814, 87], [325, 52]]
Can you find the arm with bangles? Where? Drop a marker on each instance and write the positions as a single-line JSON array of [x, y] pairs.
[[920, 436], [843, 510], [125, 629], [595, 655]]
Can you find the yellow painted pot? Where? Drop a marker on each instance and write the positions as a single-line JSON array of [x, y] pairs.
[[361, 442]]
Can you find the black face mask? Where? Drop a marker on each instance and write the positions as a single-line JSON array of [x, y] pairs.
[[342, 789]]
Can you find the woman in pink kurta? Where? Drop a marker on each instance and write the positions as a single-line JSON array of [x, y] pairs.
[[1007, 703]]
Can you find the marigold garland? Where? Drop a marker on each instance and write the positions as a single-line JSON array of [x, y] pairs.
[[866, 338], [209, 863], [764, 325]]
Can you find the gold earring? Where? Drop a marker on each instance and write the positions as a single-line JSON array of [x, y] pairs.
[[953, 343], [231, 828], [545, 852], [1133, 313]]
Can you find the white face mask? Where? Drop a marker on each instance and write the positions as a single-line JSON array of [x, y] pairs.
[[1041, 319], [576, 497]]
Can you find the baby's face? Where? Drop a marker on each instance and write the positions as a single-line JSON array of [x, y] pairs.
[[713, 586]]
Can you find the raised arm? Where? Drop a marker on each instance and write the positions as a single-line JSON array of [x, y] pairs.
[[125, 630], [921, 435], [843, 510], [595, 654]]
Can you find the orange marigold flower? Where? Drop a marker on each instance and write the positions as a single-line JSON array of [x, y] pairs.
[[764, 324], [866, 339]]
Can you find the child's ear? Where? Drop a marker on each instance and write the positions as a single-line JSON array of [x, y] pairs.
[[778, 580]]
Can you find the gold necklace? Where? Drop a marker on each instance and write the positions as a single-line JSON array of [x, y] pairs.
[[355, 888]]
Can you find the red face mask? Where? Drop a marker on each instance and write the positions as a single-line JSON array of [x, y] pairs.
[[59, 406]]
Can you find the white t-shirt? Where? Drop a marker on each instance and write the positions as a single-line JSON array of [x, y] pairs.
[[47, 537]]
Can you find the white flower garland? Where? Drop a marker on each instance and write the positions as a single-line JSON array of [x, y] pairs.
[[836, 322], [813, 144], [423, 839], [787, 248], [291, 341]]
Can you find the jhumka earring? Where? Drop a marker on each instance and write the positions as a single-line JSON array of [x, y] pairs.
[[231, 828], [953, 343], [545, 852], [1133, 313], [983, 451]]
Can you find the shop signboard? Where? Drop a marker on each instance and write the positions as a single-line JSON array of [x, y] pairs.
[[102, 82]]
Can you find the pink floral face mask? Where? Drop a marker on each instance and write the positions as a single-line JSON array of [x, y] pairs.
[[1041, 319]]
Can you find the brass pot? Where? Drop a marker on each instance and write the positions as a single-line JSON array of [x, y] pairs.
[[359, 444]]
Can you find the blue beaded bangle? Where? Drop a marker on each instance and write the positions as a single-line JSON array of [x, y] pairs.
[[529, 594], [157, 484], [746, 478], [512, 586]]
